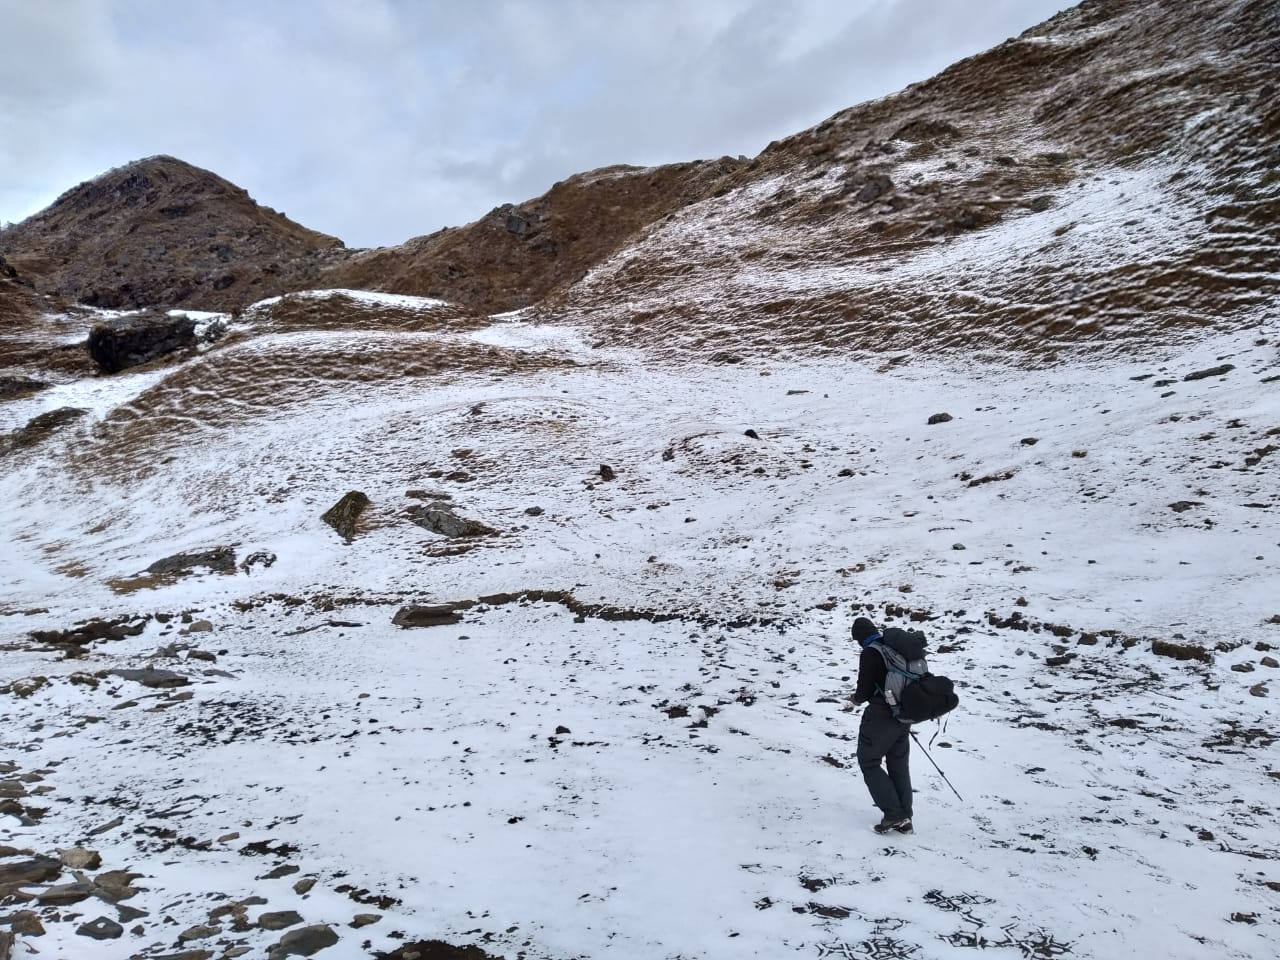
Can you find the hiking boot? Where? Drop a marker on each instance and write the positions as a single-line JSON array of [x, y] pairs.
[[893, 825]]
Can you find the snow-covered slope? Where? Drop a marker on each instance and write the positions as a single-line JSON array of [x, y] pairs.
[[636, 741]]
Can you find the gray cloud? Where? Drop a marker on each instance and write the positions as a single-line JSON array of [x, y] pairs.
[[384, 119]]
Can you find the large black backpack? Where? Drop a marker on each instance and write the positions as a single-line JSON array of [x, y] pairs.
[[912, 692]]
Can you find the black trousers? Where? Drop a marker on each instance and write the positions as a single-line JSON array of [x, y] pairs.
[[881, 738]]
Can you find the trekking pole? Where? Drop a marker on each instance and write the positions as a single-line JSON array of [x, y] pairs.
[[935, 766]]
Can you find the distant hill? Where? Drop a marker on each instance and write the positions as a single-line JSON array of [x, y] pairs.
[[163, 232]]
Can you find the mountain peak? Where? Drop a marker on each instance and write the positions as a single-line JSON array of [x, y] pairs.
[[161, 231]]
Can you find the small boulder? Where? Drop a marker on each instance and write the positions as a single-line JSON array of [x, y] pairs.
[[344, 514], [279, 920], [103, 928], [304, 942], [940, 418], [219, 560], [439, 518], [78, 858]]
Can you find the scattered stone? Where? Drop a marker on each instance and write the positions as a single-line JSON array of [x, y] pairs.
[[1217, 371], [153, 678], [115, 885], [200, 626], [1182, 506], [284, 870], [218, 560], [419, 616], [344, 514], [1029, 441], [746, 433], [940, 418], [1079, 454], [260, 558], [110, 825], [1180, 651], [1242, 667], [1258, 690], [103, 928], [279, 920], [78, 858], [440, 518], [957, 546], [606, 472], [202, 931], [303, 886], [534, 511], [304, 943], [364, 919], [1270, 662], [127, 913]]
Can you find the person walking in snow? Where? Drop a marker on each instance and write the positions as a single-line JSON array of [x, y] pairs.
[[884, 743]]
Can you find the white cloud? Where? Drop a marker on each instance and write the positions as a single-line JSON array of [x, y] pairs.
[[385, 119]]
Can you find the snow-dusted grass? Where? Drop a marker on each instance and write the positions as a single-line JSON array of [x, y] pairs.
[[641, 832]]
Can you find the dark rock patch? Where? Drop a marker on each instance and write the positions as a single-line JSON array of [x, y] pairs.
[[435, 950], [344, 514], [42, 427], [124, 342], [440, 518], [421, 616], [1180, 651], [218, 560], [14, 387], [1217, 371], [940, 418], [103, 928]]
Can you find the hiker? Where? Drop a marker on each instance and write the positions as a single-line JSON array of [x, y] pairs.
[[881, 737]]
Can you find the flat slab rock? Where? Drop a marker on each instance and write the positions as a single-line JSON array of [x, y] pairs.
[[151, 677], [426, 616]]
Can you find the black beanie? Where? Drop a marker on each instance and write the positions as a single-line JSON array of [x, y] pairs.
[[862, 629]]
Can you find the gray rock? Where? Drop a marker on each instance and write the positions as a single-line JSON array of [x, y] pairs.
[[344, 514], [78, 858], [304, 885], [364, 919], [27, 872], [201, 931], [1218, 371], [439, 518], [940, 418], [101, 928], [279, 920], [304, 942], [65, 893]]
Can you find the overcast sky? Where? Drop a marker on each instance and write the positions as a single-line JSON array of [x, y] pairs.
[[379, 120]]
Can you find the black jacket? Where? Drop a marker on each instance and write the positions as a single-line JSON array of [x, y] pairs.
[[871, 676]]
